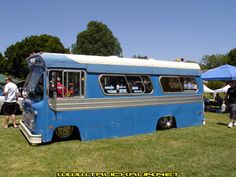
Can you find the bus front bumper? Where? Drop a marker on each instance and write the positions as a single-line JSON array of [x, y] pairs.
[[32, 138]]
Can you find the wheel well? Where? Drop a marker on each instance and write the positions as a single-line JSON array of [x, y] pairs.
[[166, 122], [75, 135]]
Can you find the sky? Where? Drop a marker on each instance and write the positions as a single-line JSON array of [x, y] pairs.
[[159, 29]]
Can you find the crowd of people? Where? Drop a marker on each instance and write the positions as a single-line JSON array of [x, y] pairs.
[[228, 102], [216, 101]]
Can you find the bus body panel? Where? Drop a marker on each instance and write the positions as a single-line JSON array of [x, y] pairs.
[[98, 115], [119, 122]]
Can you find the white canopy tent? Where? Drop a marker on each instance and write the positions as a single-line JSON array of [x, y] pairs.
[[208, 90], [223, 89]]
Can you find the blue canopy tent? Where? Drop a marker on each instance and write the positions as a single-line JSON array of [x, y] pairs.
[[224, 72]]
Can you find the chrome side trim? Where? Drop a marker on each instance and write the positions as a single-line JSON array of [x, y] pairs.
[[33, 139], [100, 103]]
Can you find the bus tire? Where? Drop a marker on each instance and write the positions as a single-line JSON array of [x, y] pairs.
[[165, 123], [64, 132]]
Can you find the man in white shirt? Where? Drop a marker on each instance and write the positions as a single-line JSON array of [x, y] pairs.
[[10, 102]]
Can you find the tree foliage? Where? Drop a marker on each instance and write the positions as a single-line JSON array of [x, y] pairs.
[[1, 60], [232, 57], [215, 84], [97, 39], [212, 61], [140, 56], [16, 54], [2, 63]]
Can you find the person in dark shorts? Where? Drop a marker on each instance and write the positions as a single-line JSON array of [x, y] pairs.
[[10, 102], [230, 97]]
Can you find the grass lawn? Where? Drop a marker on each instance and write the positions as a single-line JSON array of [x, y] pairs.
[[208, 150]]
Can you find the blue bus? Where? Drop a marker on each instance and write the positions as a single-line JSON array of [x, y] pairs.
[[97, 97]]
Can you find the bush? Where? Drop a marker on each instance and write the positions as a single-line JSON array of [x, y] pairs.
[[215, 84]]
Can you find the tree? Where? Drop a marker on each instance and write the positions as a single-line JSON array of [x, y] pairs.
[[140, 57], [97, 39], [1, 60], [3, 64], [215, 84], [232, 57], [16, 54], [212, 61]]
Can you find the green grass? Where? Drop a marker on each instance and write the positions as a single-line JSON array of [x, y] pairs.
[[208, 150]]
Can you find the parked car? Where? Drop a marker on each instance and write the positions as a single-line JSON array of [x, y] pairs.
[[19, 102]]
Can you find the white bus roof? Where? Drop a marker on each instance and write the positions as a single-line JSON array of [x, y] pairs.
[[113, 64]]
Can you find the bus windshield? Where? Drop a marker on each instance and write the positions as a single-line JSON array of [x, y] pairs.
[[34, 84]]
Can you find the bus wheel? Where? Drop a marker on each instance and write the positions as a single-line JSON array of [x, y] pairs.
[[165, 123], [64, 132]]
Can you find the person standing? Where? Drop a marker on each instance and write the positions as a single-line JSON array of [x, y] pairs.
[[60, 88], [230, 97], [10, 102]]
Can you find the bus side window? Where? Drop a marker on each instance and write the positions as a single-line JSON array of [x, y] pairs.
[[52, 84], [136, 84], [189, 84], [170, 84], [55, 86], [148, 84], [74, 84], [114, 85]]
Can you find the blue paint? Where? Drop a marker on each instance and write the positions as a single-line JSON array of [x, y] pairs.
[[113, 122]]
